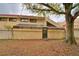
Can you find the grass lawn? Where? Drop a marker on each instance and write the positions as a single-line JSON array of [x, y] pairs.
[[37, 48]]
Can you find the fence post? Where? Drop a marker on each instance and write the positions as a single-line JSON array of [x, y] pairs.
[[12, 33], [45, 33]]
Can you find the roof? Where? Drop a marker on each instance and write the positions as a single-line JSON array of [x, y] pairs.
[[28, 26], [53, 23], [34, 26], [16, 15]]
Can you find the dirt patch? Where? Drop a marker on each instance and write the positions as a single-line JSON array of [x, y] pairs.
[[37, 48]]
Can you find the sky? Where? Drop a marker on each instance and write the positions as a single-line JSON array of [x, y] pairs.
[[8, 8], [16, 8]]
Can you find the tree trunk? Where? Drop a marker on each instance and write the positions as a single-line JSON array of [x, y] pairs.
[[70, 30]]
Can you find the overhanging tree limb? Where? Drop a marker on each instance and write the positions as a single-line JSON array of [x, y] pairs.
[[42, 9], [75, 6], [76, 15], [58, 12]]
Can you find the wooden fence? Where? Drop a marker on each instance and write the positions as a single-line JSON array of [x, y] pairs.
[[32, 33]]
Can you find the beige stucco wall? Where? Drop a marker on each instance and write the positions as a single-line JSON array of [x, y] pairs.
[[41, 22], [34, 33], [37, 34], [3, 24], [76, 33], [56, 34], [27, 34]]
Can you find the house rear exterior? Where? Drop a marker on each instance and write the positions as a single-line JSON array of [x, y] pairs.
[[8, 20], [28, 27], [13, 20]]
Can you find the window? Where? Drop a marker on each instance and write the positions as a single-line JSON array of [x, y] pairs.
[[3, 19], [24, 20], [12, 19], [33, 20]]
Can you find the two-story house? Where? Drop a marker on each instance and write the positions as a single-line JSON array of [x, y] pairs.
[[23, 21]]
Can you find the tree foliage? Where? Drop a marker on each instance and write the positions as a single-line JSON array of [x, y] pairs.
[[42, 9], [70, 10], [51, 8]]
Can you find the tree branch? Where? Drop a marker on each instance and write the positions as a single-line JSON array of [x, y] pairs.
[[75, 6], [75, 15], [42, 9], [52, 8]]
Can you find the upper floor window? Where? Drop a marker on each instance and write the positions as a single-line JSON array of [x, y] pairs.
[[3, 19], [33, 20], [24, 20], [12, 19]]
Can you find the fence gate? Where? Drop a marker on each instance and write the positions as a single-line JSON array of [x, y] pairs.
[[45, 33]]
